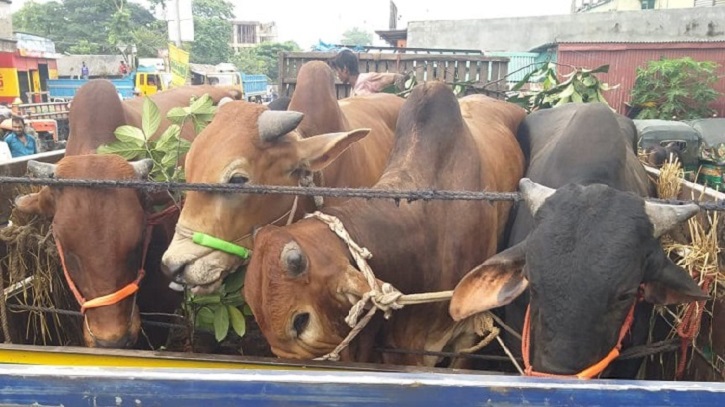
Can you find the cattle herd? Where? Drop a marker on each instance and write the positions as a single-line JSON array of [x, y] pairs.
[[575, 266]]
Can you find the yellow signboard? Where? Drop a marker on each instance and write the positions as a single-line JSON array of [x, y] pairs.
[[179, 64], [9, 86]]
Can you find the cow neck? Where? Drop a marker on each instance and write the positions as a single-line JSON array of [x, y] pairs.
[[590, 372]]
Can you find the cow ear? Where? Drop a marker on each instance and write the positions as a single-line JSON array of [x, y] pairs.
[[496, 282], [38, 203], [671, 284], [318, 152]]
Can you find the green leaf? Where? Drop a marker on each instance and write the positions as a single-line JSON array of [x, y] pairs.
[[576, 97], [221, 323], [130, 134], [205, 315], [207, 299], [127, 150], [177, 115], [169, 139], [233, 282], [239, 324], [247, 311], [203, 103], [567, 92], [150, 117]]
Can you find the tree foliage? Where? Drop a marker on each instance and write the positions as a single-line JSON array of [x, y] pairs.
[[85, 26], [356, 36], [212, 31], [579, 86], [263, 58], [675, 89]]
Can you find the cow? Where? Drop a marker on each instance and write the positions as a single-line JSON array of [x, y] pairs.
[[102, 234], [301, 281], [345, 144], [584, 243]]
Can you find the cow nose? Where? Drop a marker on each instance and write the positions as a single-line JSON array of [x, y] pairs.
[[125, 341], [300, 322]]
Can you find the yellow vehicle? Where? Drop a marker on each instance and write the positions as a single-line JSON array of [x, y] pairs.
[[222, 74], [147, 81]]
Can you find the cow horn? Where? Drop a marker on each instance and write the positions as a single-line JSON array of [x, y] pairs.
[[40, 169], [534, 194], [273, 124], [224, 101], [665, 217], [142, 168]]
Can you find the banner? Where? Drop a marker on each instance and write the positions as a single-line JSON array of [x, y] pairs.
[[179, 64]]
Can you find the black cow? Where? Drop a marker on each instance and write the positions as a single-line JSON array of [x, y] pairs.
[[590, 245]]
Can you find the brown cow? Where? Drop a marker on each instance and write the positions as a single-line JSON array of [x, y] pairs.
[[101, 232], [246, 143], [300, 282]]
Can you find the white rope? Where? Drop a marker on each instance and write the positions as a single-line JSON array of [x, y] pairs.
[[382, 297]]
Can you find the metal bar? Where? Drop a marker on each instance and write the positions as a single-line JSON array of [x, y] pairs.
[[37, 385]]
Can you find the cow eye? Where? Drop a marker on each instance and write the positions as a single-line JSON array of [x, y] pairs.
[[238, 179]]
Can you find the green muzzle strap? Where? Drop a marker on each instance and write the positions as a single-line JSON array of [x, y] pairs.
[[202, 239]]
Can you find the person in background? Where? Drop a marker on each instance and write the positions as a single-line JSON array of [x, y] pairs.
[[84, 70], [123, 69], [19, 141], [346, 64]]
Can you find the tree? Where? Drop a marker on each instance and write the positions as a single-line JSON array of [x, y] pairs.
[[356, 36], [675, 89], [264, 58], [212, 31], [95, 26]]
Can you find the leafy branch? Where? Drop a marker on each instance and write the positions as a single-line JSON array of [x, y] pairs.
[[216, 313], [133, 143], [580, 86]]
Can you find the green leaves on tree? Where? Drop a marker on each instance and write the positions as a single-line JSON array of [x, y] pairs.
[[675, 89]]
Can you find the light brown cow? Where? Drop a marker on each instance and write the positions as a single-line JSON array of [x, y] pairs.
[[248, 144], [101, 232], [301, 282]]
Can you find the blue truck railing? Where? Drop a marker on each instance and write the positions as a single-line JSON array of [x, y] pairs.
[[67, 88], [254, 85]]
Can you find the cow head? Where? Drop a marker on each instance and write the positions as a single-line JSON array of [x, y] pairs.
[[244, 144], [101, 233], [300, 285], [591, 249]]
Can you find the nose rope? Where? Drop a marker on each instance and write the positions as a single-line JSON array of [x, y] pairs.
[[383, 296]]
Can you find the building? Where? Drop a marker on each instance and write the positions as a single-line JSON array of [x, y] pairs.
[[591, 6], [525, 33], [26, 67], [247, 34]]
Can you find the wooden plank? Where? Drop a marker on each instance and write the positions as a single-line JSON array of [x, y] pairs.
[[55, 386], [394, 57], [429, 67], [482, 72], [461, 70]]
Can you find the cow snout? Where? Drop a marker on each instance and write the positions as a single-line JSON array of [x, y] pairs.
[[126, 341]]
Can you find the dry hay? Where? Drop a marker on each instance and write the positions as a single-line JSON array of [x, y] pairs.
[[696, 249], [31, 252]]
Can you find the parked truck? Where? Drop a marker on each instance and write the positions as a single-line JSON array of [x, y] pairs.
[[142, 81]]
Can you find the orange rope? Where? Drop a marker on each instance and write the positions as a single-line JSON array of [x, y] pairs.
[[689, 327], [588, 373]]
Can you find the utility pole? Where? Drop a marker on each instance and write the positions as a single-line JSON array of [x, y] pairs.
[[178, 23]]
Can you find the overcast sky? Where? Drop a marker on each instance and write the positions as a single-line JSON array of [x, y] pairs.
[[307, 21]]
